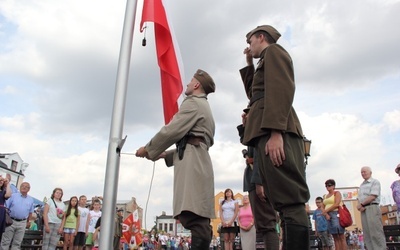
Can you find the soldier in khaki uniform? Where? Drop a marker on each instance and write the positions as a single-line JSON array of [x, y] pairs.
[[193, 202], [273, 128]]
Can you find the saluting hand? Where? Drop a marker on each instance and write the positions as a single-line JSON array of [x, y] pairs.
[[249, 56]]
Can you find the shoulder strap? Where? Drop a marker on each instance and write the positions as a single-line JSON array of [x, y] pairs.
[[54, 202], [334, 197]]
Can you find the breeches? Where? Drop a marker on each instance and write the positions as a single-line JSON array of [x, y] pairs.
[[286, 185], [200, 226]]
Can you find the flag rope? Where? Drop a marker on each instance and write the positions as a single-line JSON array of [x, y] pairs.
[[148, 195]]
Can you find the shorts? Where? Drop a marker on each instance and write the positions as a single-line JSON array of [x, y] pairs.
[[80, 239], [324, 236], [69, 230], [89, 239], [333, 224]]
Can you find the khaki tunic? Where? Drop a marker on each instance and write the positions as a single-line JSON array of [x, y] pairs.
[[275, 110], [193, 175]]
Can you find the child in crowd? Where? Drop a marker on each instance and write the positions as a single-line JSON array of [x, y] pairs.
[[70, 223], [32, 223], [80, 238], [94, 215], [96, 235]]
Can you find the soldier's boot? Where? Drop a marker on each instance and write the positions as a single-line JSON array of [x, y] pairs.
[[296, 237]]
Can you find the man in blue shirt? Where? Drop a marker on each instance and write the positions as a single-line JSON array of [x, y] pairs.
[[321, 225], [21, 209]]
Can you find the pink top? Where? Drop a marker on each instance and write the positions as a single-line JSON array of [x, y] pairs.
[[245, 216]]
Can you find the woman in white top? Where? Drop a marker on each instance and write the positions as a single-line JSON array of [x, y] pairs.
[[52, 216], [228, 211]]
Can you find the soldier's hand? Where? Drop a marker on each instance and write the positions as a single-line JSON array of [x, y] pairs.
[[162, 155], [274, 148], [260, 193], [244, 119], [142, 152], [249, 56]]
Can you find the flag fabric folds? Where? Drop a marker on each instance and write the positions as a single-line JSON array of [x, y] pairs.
[[131, 231], [168, 61]]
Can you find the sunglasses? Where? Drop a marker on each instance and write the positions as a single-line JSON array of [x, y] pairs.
[[328, 185]]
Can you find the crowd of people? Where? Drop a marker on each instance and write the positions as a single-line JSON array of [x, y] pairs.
[[77, 223], [275, 174]]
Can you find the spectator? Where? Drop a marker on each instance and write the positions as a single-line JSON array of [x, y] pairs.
[[321, 225], [38, 212], [32, 224], [21, 209], [360, 239], [5, 193], [52, 217], [118, 229], [396, 191], [163, 239], [70, 223], [96, 235], [246, 224], [79, 241], [228, 211], [331, 203], [369, 198], [94, 215], [14, 189]]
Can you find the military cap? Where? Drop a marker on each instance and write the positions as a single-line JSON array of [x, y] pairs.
[[267, 28], [205, 80]]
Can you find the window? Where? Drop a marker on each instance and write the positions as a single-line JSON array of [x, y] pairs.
[[171, 227], [160, 227], [166, 227], [14, 165]]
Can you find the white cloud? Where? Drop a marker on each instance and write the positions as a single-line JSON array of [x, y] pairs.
[[58, 63], [392, 119]]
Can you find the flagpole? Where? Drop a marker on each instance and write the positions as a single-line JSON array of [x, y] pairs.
[[115, 141]]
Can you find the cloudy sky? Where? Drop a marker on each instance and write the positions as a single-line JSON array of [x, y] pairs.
[[58, 64]]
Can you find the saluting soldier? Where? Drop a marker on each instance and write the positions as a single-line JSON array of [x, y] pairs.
[[273, 128], [193, 129]]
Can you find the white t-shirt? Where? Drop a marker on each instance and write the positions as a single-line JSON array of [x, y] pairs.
[[228, 210], [53, 218], [94, 216], [84, 213]]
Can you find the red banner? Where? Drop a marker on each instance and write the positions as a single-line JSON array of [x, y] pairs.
[[131, 230]]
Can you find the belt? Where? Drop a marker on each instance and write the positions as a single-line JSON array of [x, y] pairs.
[[17, 219], [366, 205], [257, 96], [195, 140]]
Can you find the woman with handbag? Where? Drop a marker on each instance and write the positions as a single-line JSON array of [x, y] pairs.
[[52, 218], [331, 204], [5, 193]]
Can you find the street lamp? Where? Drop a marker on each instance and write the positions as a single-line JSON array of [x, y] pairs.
[[307, 148]]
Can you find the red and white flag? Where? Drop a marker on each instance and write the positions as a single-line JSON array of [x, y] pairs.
[[168, 55], [131, 230]]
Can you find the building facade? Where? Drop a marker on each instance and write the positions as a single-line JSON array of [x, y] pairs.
[[12, 164]]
